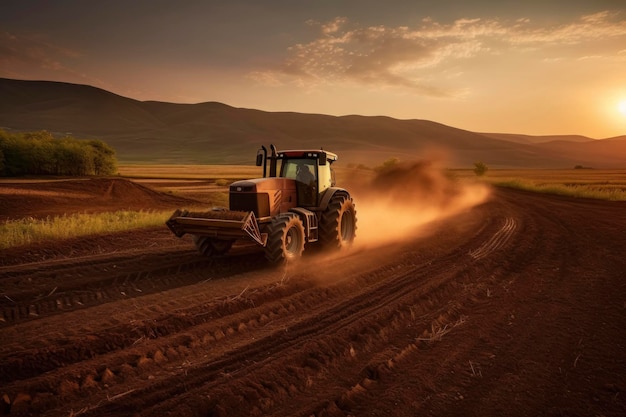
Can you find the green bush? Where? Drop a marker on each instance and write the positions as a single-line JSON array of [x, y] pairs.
[[39, 153]]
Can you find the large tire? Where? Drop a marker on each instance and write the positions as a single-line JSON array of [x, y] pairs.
[[209, 247], [285, 240], [337, 227]]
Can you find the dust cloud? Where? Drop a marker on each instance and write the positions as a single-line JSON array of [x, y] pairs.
[[394, 201]]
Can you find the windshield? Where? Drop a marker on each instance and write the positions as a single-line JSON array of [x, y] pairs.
[[293, 168]]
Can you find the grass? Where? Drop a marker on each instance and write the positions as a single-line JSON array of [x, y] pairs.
[[28, 230], [582, 183], [611, 192]]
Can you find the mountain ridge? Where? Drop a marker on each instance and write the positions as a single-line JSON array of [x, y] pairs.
[[216, 133]]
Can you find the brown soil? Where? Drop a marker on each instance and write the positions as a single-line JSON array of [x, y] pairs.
[[516, 307], [39, 198]]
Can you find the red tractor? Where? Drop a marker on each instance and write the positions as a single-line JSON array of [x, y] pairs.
[[295, 205]]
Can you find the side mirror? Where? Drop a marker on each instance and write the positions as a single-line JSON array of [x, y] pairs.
[[321, 158], [259, 159]]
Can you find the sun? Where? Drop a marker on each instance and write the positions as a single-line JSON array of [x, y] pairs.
[[621, 106]]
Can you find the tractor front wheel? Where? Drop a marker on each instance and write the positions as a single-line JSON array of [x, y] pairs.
[[285, 240]]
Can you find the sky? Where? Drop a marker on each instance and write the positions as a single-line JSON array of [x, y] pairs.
[[536, 67]]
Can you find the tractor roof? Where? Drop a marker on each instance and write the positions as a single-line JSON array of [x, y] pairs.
[[307, 153]]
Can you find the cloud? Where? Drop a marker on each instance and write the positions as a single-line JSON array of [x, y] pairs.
[[599, 26], [406, 58]]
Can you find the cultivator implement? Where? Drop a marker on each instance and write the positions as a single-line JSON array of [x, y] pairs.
[[218, 224]]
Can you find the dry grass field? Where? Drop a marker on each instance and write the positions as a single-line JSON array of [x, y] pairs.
[[584, 183], [598, 177], [590, 183]]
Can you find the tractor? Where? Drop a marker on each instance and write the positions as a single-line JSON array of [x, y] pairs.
[[295, 204]]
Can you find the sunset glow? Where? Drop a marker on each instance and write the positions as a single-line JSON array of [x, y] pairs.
[[622, 107], [518, 67]]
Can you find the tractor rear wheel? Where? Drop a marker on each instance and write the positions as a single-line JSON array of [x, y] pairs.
[[338, 222], [208, 246], [285, 240]]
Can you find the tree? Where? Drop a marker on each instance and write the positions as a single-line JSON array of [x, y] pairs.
[[74, 159], [480, 168], [104, 162], [39, 153], [15, 152]]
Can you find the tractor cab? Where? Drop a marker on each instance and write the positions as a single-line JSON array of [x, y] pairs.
[[311, 169]]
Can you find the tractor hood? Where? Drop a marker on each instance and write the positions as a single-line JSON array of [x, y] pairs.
[[265, 196]]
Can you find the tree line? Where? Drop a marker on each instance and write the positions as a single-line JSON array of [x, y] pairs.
[[39, 153]]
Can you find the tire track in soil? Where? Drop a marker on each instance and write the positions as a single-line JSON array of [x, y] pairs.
[[41, 290], [497, 241], [388, 297]]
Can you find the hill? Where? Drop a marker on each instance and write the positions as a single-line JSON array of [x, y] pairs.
[[528, 139], [215, 133]]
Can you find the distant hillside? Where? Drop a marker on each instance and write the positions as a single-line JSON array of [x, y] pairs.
[[215, 133], [528, 139]]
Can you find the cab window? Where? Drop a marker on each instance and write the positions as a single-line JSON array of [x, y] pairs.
[[289, 167]]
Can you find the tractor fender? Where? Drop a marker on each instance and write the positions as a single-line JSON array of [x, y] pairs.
[[328, 195]]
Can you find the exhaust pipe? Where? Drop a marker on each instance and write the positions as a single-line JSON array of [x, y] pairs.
[[273, 161]]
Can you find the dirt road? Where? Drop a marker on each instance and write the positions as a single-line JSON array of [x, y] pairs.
[[515, 307]]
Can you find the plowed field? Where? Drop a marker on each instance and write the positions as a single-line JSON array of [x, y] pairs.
[[515, 306]]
